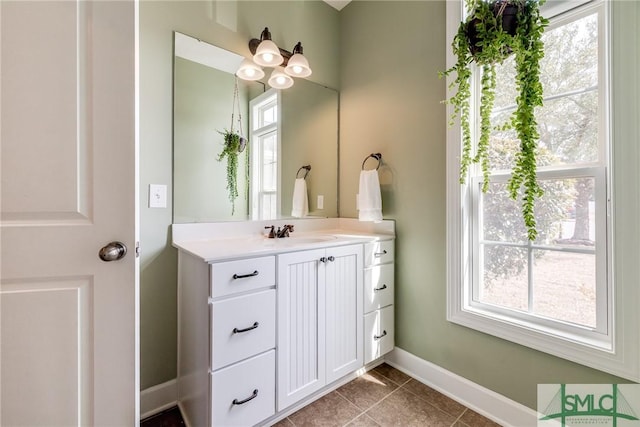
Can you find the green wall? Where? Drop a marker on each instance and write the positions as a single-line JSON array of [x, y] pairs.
[[229, 25], [391, 52], [384, 56], [203, 106]]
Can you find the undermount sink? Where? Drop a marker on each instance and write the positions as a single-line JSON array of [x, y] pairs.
[[307, 239], [293, 240]]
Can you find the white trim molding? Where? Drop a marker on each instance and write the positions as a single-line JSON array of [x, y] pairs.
[[488, 403], [156, 399]]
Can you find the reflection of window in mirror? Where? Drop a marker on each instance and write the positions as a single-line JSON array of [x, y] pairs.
[[265, 149]]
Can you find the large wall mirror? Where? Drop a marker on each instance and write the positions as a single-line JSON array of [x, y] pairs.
[[306, 134]]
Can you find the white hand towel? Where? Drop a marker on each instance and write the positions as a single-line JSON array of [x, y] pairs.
[[300, 205], [369, 198]]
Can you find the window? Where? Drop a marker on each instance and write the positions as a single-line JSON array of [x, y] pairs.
[[264, 156], [561, 277], [555, 294]]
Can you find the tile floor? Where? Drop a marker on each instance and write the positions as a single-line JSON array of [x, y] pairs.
[[384, 397]]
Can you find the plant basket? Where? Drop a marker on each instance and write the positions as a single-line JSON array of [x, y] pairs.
[[505, 14]]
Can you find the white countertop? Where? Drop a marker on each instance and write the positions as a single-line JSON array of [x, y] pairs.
[[210, 244]]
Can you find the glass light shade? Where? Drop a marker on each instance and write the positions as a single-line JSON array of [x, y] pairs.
[[280, 80], [248, 70], [298, 66], [267, 54]]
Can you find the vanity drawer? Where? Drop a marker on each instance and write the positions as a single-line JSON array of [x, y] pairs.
[[378, 252], [243, 275], [245, 393], [242, 326], [378, 333], [378, 287]]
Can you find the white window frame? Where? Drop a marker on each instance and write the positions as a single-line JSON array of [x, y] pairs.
[[617, 351], [257, 132]]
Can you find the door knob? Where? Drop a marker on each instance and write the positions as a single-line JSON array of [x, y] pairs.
[[113, 252]]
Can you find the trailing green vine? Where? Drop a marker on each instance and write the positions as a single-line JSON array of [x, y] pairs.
[[234, 144], [482, 39], [529, 51], [230, 151]]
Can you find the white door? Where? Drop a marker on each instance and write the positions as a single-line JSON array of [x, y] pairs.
[[301, 325], [69, 340]]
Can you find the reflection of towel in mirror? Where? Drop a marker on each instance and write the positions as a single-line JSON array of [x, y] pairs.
[[300, 206], [369, 198]]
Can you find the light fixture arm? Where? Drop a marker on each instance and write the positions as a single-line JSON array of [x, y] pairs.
[[298, 49]]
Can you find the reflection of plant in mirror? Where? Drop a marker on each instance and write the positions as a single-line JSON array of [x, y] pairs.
[[234, 144]]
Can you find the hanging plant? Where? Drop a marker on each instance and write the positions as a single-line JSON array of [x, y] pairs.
[[493, 31], [234, 144]]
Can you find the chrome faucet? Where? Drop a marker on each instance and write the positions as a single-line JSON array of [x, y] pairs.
[[285, 231]]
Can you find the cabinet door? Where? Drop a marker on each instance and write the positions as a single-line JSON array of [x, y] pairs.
[[301, 325], [343, 310]]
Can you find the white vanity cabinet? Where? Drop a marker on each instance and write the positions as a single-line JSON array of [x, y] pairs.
[[227, 340], [378, 299], [265, 325], [320, 319]]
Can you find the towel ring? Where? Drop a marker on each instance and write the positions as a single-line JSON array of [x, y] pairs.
[[376, 156], [307, 168]]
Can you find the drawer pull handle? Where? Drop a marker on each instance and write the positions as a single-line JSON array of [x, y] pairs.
[[380, 289], [377, 337], [379, 254], [239, 331], [244, 276], [242, 402]]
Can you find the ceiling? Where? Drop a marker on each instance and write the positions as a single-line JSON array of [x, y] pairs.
[[337, 4]]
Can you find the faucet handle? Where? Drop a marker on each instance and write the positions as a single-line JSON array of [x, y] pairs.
[[272, 233]]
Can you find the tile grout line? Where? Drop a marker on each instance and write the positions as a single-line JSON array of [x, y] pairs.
[[376, 403], [364, 412], [459, 417], [435, 405], [350, 402]]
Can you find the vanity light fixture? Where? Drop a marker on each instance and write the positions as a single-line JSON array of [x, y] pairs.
[[249, 70], [298, 66], [267, 54], [280, 80]]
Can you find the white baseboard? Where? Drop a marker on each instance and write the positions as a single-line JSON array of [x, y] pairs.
[[492, 405], [158, 398]]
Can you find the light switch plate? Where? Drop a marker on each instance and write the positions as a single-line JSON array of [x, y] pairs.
[[157, 196], [320, 203]]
